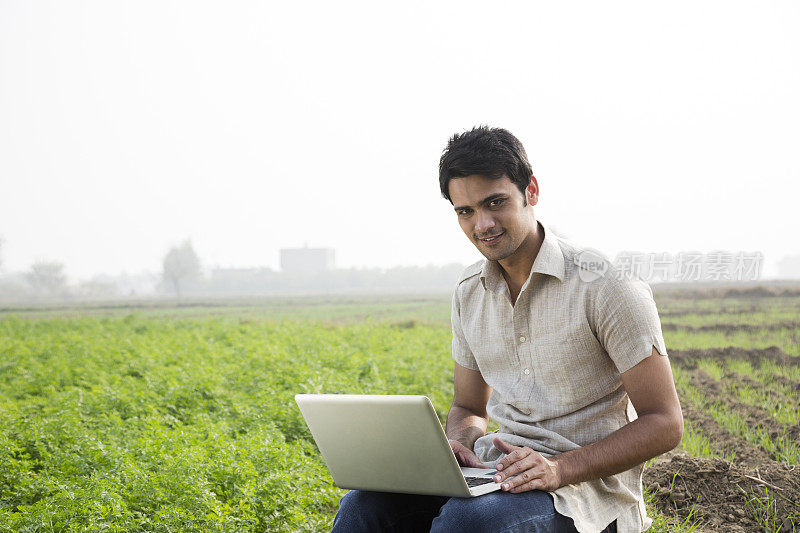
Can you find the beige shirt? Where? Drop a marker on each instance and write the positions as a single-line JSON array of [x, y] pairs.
[[553, 360]]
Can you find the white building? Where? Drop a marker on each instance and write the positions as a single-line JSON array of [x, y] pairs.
[[307, 259]]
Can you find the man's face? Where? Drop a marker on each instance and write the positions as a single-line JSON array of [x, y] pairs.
[[493, 213]]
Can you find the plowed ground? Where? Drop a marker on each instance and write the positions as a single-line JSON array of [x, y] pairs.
[[758, 491], [727, 496]]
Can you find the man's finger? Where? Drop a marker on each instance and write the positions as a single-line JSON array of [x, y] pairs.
[[513, 453], [525, 464], [471, 460], [534, 484], [465, 456], [516, 455], [526, 476], [503, 446]]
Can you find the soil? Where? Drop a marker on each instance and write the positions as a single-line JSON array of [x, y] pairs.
[[755, 416], [733, 328], [703, 312], [779, 395], [722, 494], [688, 358], [724, 441], [792, 384], [726, 496]]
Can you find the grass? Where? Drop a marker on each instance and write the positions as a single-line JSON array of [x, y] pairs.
[[426, 308], [663, 523], [769, 374], [765, 511], [696, 304], [182, 419], [766, 317], [712, 368], [142, 424], [772, 401], [785, 338], [771, 369], [778, 400], [781, 448], [696, 444], [742, 367]]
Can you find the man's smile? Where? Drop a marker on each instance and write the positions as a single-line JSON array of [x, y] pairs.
[[492, 239]]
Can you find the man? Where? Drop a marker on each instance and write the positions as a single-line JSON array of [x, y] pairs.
[[556, 347]]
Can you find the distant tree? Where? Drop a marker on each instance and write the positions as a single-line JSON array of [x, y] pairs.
[[181, 263], [47, 276]]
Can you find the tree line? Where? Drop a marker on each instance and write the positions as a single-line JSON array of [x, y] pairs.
[[182, 276]]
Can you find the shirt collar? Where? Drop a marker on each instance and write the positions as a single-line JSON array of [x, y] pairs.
[[549, 261]]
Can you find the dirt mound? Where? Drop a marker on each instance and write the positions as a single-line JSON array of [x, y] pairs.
[[756, 416], [724, 441], [755, 356], [732, 328], [726, 496], [751, 292], [792, 384], [698, 312]]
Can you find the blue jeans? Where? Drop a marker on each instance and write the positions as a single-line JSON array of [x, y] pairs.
[[498, 511]]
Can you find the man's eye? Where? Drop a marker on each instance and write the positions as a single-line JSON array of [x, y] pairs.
[[462, 212], [495, 203]]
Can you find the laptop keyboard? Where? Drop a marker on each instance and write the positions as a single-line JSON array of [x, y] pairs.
[[476, 481]]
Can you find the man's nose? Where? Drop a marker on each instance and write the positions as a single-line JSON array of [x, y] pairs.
[[484, 222]]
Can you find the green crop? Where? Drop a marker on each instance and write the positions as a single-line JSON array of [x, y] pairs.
[[183, 418], [139, 424]]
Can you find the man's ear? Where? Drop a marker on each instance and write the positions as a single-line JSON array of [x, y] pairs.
[[532, 191]]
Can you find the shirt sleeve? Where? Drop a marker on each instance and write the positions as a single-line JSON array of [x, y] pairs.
[[627, 322], [461, 351]]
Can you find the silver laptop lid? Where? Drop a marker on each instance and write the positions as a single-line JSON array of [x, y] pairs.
[[388, 443]]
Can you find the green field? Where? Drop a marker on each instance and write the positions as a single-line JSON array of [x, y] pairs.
[[163, 418]]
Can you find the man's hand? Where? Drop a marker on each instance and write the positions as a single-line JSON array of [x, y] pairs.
[[530, 469], [465, 456]]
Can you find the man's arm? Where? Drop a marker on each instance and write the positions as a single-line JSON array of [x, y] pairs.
[[467, 419], [658, 428]]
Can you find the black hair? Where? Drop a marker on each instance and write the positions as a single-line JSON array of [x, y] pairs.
[[491, 152]]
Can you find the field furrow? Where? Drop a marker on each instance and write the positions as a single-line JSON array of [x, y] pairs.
[[719, 441], [781, 327], [753, 423]]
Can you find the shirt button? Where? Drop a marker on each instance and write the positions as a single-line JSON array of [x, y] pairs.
[[522, 339], [526, 371]]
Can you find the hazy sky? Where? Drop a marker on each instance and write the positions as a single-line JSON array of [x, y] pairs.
[[127, 127]]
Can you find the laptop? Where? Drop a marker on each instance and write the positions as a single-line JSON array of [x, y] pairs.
[[389, 443]]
